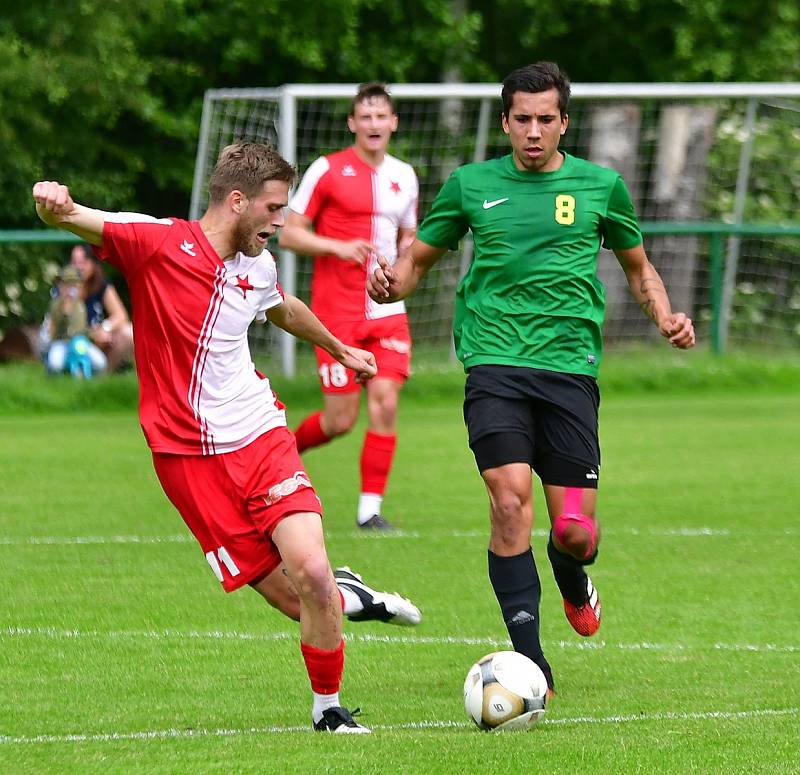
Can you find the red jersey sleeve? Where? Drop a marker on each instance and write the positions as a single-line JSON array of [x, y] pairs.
[[129, 239]]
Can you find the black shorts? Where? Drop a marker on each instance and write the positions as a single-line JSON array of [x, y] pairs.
[[546, 419]]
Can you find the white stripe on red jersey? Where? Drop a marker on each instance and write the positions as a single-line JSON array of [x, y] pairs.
[[347, 199], [199, 391]]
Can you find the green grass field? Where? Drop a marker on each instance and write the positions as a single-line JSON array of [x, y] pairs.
[[119, 652]]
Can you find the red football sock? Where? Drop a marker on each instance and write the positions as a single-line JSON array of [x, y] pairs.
[[309, 433], [324, 667], [376, 461]]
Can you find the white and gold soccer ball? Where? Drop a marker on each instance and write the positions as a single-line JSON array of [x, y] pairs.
[[505, 691]]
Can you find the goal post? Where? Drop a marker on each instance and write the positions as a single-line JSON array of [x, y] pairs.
[[726, 153]]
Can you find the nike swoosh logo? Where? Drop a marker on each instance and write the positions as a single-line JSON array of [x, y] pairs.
[[487, 205]]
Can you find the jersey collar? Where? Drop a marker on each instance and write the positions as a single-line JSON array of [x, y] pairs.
[[356, 159], [202, 241], [525, 175]]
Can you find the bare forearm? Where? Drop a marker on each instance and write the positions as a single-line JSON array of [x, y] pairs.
[[84, 222], [408, 273], [390, 283], [648, 289], [308, 243], [55, 207], [294, 317]]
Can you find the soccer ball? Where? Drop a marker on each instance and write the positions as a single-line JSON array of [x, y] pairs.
[[505, 691]]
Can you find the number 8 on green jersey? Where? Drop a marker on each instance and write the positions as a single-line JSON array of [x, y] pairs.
[[531, 296]]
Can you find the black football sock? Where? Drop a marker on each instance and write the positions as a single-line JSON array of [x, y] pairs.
[[569, 574], [516, 585]]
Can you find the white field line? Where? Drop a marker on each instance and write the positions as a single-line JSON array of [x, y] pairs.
[[90, 540], [184, 538], [53, 633], [172, 734]]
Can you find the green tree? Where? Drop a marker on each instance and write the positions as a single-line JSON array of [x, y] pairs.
[[107, 94], [645, 40]]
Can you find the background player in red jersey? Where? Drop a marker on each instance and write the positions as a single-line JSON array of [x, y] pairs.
[[218, 434], [350, 207]]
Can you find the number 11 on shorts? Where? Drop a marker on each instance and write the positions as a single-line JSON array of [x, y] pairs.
[[221, 556]]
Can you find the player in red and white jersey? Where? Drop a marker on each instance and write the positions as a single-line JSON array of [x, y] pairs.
[[218, 434], [350, 207]]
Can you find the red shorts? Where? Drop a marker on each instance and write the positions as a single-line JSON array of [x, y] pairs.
[[388, 339], [232, 502]]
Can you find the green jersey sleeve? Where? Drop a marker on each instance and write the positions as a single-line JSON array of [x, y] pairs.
[[620, 229], [445, 224]]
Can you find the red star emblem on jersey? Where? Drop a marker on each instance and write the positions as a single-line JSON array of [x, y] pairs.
[[395, 186], [244, 284]]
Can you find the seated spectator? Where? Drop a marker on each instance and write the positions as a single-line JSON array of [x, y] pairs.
[[69, 348], [109, 325]]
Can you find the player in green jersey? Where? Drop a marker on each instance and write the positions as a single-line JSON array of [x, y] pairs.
[[527, 328]]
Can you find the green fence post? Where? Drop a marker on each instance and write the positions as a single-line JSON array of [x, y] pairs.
[[715, 260], [37, 235]]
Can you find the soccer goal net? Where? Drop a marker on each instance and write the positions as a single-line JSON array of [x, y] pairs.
[[689, 153]]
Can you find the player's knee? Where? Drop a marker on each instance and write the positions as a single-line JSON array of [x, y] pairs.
[[383, 398], [509, 525], [313, 578], [507, 507], [576, 534], [386, 409], [340, 423]]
